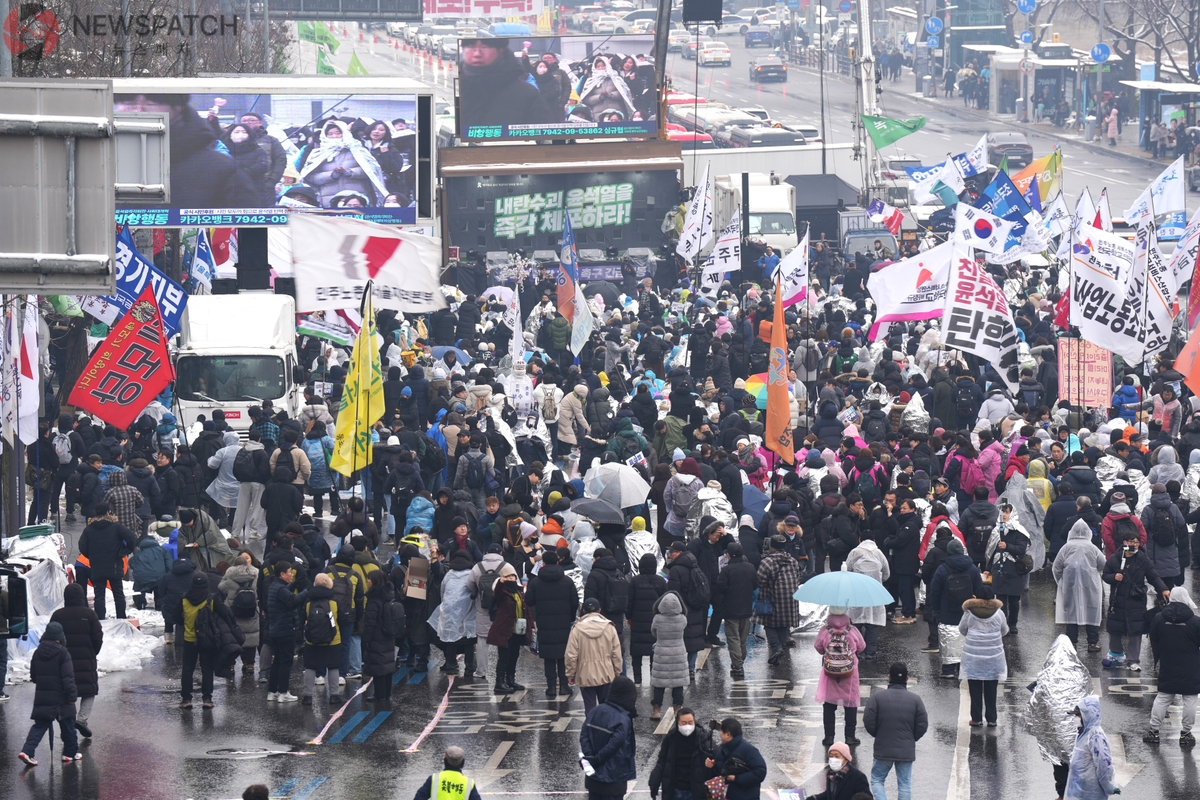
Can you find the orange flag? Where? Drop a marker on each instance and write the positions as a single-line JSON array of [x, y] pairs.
[[1187, 362], [778, 435]]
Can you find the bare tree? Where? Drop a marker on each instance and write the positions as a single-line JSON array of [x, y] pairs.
[[1167, 29]]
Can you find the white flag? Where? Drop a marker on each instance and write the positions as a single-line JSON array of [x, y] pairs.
[[977, 318], [10, 356], [726, 256], [952, 176], [1106, 300], [976, 228], [977, 155], [1057, 218], [1103, 212], [793, 271], [581, 326], [913, 288], [1183, 260], [697, 223], [1085, 212], [29, 397], [1165, 193], [1158, 291]]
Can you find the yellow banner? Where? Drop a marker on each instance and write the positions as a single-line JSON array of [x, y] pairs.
[[1048, 170], [362, 400]]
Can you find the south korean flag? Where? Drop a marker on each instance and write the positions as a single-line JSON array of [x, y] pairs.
[[979, 229]]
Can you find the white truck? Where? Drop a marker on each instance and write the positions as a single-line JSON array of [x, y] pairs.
[[772, 209], [234, 352]]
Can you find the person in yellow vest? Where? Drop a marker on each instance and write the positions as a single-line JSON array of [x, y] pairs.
[[450, 783]]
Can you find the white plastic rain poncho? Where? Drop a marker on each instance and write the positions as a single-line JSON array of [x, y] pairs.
[[983, 649], [868, 559], [1061, 684], [584, 546], [225, 487], [454, 618], [1191, 484], [1077, 571], [1092, 775], [1029, 514]]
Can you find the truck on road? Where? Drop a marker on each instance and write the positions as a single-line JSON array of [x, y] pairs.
[[772, 209], [858, 234]]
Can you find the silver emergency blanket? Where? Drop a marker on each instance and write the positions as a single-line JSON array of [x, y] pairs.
[[1106, 471], [1191, 486], [812, 617], [638, 544], [454, 618], [576, 576], [1061, 684], [914, 415], [1029, 513], [1141, 485], [950, 643], [713, 503]]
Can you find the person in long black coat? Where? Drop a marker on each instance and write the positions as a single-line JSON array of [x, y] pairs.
[[1128, 571], [644, 591], [554, 601], [1175, 639], [679, 579], [85, 637], [378, 636], [53, 675], [416, 610]]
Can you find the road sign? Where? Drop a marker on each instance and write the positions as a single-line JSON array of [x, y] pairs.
[[1026, 37], [1026, 6], [1101, 52], [933, 25], [793, 5], [845, 17], [844, 6], [1025, 65], [932, 41]]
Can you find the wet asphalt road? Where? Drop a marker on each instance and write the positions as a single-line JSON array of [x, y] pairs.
[[524, 744]]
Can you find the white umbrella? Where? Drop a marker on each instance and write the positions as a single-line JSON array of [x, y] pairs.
[[620, 484]]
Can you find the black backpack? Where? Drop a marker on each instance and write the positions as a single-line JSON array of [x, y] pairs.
[[245, 603], [434, 459], [867, 488], [616, 599], [343, 593], [959, 588], [697, 593], [395, 623], [964, 400], [812, 359], [476, 471], [1163, 527], [321, 628], [876, 428], [243, 467], [1124, 528], [208, 634], [487, 578], [404, 489], [1032, 395]]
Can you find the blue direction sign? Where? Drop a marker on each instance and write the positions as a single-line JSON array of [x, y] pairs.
[[1026, 6], [1026, 37], [933, 25], [933, 41], [1101, 52], [844, 6]]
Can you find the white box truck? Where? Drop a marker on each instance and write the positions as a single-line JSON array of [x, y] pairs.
[[772, 209], [234, 352]]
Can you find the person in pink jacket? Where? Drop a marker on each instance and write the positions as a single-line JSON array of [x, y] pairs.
[[839, 644], [991, 461]]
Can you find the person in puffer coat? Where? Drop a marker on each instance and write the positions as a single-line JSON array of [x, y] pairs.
[[983, 663], [669, 665], [53, 675], [243, 575], [607, 741], [84, 638], [1175, 639], [146, 567], [379, 636], [554, 602], [1165, 557], [644, 592]]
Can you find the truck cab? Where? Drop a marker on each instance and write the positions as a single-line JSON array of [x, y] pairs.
[[234, 352], [772, 209]]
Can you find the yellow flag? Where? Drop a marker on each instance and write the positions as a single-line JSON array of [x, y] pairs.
[[362, 399], [1048, 171]]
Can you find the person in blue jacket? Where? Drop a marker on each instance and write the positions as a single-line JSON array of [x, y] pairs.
[[1126, 394], [739, 762]]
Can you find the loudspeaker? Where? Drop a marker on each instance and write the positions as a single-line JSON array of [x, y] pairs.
[[224, 286], [702, 11]]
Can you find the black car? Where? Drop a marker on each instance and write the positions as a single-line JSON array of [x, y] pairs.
[[768, 68], [1012, 145]]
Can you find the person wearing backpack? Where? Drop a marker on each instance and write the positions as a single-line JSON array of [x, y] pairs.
[[1165, 530], [546, 398], [609, 582], [976, 524], [239, 587], [681, 495], [480, 583], [875, 426], [956, 581], [383, 624], [1118, 523], [70, 449], [777, 610], [708, 548], [190, 605], [476, 473], [348, 584], [322, 639], [685, 577], [252, 468], [968, 397], [839, 644]]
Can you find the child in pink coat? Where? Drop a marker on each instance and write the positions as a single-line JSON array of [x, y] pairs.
[[839, 644]]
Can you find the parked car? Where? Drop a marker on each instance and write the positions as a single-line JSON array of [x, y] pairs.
[[759, 34], [811, 133], [757, 136], [629, 22], [581, 19], [411, 32], [1010, 144], [768, 68], [730, 25], [689, 140], [715, 54], [448, 48], [693, 45], [757, 111], [605, 24], [396, 29]]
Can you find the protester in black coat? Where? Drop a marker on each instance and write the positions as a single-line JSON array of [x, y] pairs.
[[679, 579], [53, 675], [378, 636], [1175, 637], [554, 601], [191, 478], [282, 500], [104, 542], [679, 751], [644, 591], [734, 589], [84, 638]]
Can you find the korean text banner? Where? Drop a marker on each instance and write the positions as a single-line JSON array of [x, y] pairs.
[[245, 159], [340, 255], [1107, 294], [555, 86], [1084, 373], [504, 212], [486, 9], [978, 319], [134, 273], [129, 369]]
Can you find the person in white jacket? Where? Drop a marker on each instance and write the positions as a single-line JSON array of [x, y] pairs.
[[868, 559], [995, 407]]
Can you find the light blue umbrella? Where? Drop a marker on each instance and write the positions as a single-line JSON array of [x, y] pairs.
[[848, 589]]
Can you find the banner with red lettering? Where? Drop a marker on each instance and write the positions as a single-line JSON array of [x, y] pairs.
[[129, 369], [488, 9], [977, 318]]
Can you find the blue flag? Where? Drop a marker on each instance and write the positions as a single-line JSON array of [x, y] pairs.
[[1033, 195], [1002, 199], [133, 271], [204, 266]]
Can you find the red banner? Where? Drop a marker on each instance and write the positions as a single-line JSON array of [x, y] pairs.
[[129, 369]]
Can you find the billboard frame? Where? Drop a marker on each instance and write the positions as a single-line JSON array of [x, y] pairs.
[[322, 86], [335, 11]]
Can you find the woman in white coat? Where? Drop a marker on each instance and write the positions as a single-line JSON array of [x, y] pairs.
[[983, 664], [869, 560], [1077, 570]]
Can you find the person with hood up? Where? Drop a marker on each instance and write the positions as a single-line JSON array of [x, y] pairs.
[[593, 656], [239, 590], [778, 580], [497, 86], [55, 693], [645, 589], [1166, 530], [454, 618], [322, 639], [1167, 467], [1128, 572], [104, 543], [1175, 639], [733, 593], [839, 644], [1091, 775], [995, 407], [140, 475], [476, 473], [1077, 571], [1007, 548], [83, 639], [1119, 522], [490, 567], [281, 500], [983, 663], [511, 629], [1042, 487], [1125, 398], [318, 445], [669, 664], [196, 649], [867, 559], [956, 581], [976, 523], [554, 602], [679, 769], [339, 162], [200, 540], [224, 487], [572, 417], [608, 742]]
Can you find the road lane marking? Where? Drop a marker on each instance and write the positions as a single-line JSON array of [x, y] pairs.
[[960, 767], [371, 727], [309, 788], [400, 673], [416, 678], [344, 731], [491, 771], [1108, 178], [286, 788], [668, 720], [321, 736], [702, 659]]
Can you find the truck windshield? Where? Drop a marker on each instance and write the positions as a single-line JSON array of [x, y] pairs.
[[230, 378], [773, 222]]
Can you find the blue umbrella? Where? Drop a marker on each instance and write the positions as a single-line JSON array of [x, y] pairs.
[[754, 502], [849, 589], [463, 358]]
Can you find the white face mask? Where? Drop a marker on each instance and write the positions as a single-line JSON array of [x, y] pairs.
[[237, 136], [687, 730], [836, 764]]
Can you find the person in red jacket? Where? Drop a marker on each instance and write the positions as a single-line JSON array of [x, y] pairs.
[[1118, 519]]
